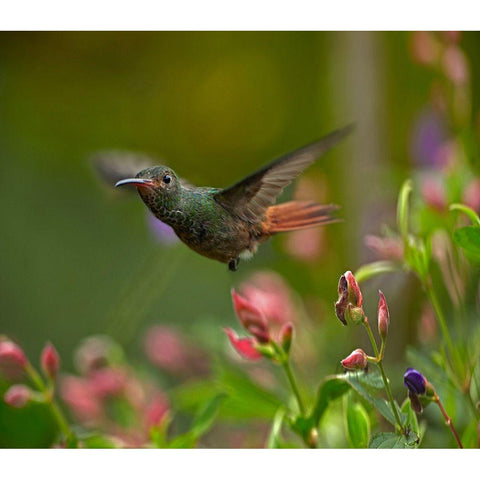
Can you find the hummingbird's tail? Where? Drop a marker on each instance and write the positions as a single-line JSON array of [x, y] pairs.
[[296, 216]]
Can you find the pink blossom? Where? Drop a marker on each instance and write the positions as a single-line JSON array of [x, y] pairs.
[[12, 360], [433, 193], [387, 248], [383, 316], [107, 382], [251, 317], [471, 195], [244, 346], [455, 65], [271, 295], [78, 394], [156, 410], [18, 396], [170, 350]]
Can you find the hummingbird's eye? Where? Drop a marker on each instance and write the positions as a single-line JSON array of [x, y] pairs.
[[167, 179]]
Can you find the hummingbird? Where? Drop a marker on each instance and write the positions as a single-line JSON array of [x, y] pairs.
[[226, 224]]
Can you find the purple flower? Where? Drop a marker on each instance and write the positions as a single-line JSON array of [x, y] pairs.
[[161, 231], [414, 381], [429, 135]]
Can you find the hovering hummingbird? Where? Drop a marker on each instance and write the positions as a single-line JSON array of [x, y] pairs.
[[226, 224]]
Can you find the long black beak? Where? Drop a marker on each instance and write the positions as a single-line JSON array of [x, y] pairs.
[[138, 182]]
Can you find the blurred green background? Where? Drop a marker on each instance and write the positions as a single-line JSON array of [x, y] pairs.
[[78, 259]]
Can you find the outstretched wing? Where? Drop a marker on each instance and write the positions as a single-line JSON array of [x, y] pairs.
[[114, 165], [250, 197]]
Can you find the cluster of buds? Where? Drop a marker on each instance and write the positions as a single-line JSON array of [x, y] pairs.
[[261, 342], [349, 309], [14, 364]]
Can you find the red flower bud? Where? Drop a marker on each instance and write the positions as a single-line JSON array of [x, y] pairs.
[[357, 360], [244, 346], [286, 335], [50, 361], [383, 316], [12, 355], [18, 396], [355, 295], [251, 317]]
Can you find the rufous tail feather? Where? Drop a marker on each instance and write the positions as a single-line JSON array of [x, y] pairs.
[[297, 215]]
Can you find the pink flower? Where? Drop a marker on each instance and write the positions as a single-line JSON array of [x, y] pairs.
[[271, 295], [425, 48], [78, 394], [355, 294], [171, 351], [471, 195], [11, 352], [251, 317], [156, 410], [18, 396], [244, 346], [348, 307], [433, 193], [50, 361], [107, 382], [455, 65], [357, 360], [387, 248]]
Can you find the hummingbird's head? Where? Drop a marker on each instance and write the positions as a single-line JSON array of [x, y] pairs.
[[154, 184]]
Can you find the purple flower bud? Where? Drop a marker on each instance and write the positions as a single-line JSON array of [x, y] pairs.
[[414, 381], [18, 396]]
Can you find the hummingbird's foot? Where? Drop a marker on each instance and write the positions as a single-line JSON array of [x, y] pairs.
[[233, 264]]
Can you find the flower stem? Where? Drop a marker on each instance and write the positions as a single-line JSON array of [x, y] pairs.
[[293, 384], [384, 376], [50, 401], [436, 399]]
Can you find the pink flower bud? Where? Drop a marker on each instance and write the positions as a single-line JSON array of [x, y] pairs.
[[286, 335], [251, 317], [18, 396], [357, 360], [50, 361], [355, 295], [455, 65], [12, 354], [383, 316], [244, 346], [471, 195], [156, 410]]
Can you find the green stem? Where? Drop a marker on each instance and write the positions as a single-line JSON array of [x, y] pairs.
[[441, 318], [293, 385], [52, 405], [384, 376]]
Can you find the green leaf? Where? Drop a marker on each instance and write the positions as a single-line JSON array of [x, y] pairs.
[[468, 238], [97, 441], [201, 424], [402, 208], [274, 436], [331, 389], [471, 214], [411, 417], [357, 423], [392, 440], [207, 414], [370, 270], [367, 386]]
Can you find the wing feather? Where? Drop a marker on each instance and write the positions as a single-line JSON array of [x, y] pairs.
[[250, 197]]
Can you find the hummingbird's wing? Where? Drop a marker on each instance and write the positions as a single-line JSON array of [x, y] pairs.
[[112, 166], [250, 197]]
